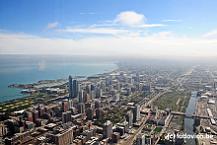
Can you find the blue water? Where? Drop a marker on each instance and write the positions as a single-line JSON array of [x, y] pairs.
[[189, 122], [28, 69]]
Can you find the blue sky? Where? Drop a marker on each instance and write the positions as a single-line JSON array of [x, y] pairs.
[[90, 20]]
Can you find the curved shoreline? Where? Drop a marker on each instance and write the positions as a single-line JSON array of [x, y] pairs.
[[30, 86]]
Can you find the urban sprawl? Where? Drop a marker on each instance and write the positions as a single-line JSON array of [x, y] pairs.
[[140, 105]]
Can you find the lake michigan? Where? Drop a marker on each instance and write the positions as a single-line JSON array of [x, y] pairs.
[[22, 69]]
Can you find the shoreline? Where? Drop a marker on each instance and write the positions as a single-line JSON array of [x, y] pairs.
[[41, 82]]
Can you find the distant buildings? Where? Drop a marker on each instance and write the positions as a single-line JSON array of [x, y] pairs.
[[91, 102]]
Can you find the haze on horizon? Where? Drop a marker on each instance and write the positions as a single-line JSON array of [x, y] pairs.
[[165, 29]]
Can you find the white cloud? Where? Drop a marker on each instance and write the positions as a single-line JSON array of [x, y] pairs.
[[127, 22], [163, 44], [211, 35], [94, 30], [52, 25], [130, 18], [151, 25]]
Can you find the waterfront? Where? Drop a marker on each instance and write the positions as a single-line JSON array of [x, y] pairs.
[[30, 69]]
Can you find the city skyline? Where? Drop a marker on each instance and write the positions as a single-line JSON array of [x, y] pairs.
[[113, 28]]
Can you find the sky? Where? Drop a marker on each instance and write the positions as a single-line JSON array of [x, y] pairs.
[[145, 28]]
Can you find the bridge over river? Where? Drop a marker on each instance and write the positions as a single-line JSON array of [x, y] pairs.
[[191, 115]]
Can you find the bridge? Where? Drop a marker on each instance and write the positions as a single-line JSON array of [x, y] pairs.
[[190, 115]]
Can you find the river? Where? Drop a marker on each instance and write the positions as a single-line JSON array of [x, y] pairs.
[[189, 122]]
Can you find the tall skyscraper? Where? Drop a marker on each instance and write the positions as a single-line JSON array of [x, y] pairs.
[[81, 108], [70, 87], [129, 118], [73, 88], [136, 113], [65, 105], [89, 113], [81, 96], [107, 129]]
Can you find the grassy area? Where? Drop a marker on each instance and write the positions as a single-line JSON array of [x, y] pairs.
[[178, 122], [158, 129], [115, 115], [21, 103], [15, 105], [175, 100]]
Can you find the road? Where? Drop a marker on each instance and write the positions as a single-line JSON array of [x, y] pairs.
[[133, 137]]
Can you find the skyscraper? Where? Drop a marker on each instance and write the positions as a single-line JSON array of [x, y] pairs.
[[70, 87], [73, 88], [81, 96], [129, 118], [107, 129], [136, 113], [65, 105]]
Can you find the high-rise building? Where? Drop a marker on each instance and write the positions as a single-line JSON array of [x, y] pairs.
[[146, 89], [107, 129], [129, 118], [99, 113], [70, 104], [70, 87], [29, 116], [75, 88], [81, 108], [63, 138], [3, 130], [140, 139], [89, 113], [97, 103], [81, 96], [41, 110], [66, 117], [35, 115], [115, 137], [98, 93], [136, 113], [65, 105]]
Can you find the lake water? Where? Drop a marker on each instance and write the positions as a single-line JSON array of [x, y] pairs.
[[28, 69]]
